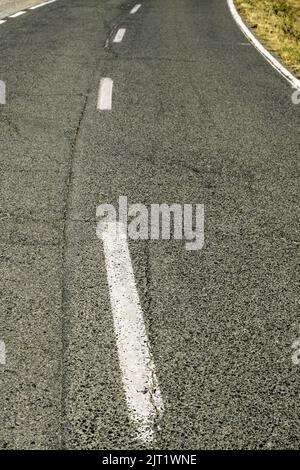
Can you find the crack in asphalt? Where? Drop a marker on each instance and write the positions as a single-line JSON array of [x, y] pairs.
[[68, 193]]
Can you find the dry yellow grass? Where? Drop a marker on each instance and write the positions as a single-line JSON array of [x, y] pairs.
[[277, 22]]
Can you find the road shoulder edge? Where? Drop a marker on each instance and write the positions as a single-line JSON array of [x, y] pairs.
[[11, 7]]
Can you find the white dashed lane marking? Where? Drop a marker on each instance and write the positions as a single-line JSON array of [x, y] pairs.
[[138, 371], [135, 9], [120, 34], [105, 94]]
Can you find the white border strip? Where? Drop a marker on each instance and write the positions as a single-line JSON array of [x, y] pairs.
[[38, 6], [42, 4], [19, 13], [120, 34], [135, 8], [270, 58]]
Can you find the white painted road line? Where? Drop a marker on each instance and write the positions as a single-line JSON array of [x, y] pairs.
[[15, 15], [270, 58], [38, 6], [105, 94], [120, 34], [135, 8], [2, 21], [41, 4], [2, 353], [138, 371]]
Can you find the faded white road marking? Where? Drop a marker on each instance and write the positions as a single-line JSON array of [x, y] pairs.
[[38, 6], [120, 34], [42, 4], [135, 8], [2, 353], [270, 58], [105, 94], [15, 15], [296, 353], [138, 371]]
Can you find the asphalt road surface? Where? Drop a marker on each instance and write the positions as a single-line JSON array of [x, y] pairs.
[[197, 116]]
